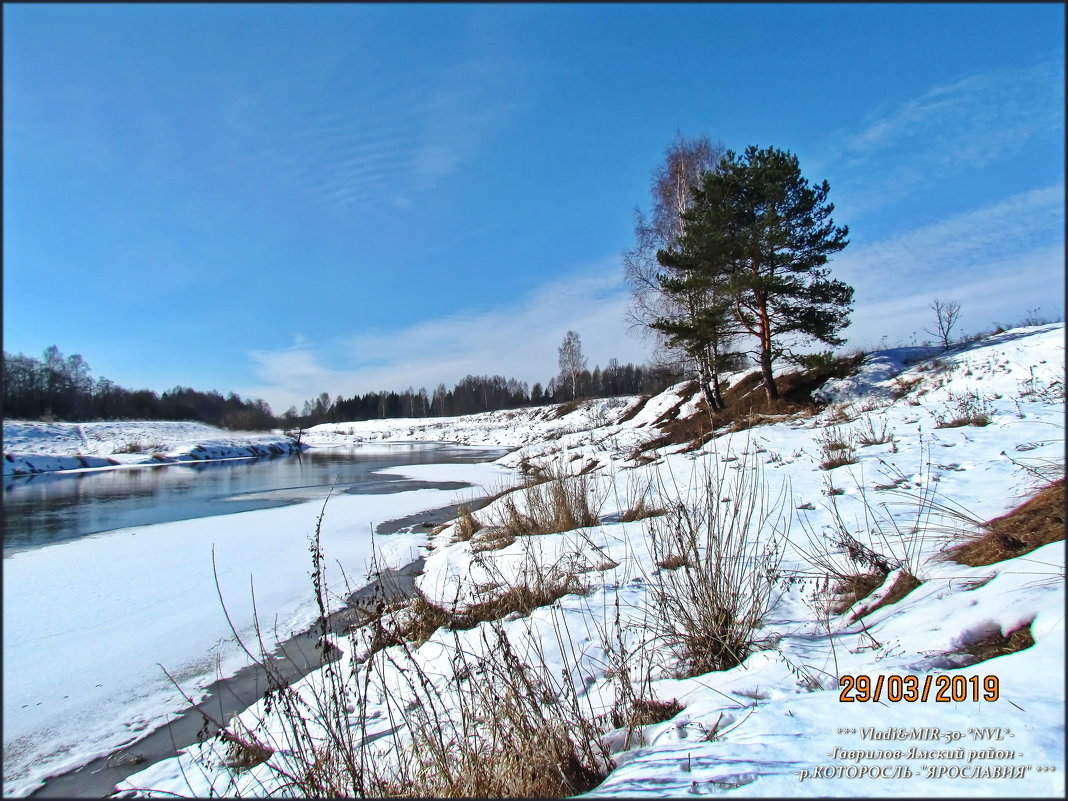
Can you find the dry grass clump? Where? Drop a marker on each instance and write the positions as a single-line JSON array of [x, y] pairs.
[[858, 555], [522, 598], [536, 585], [567, 408], [420, 620], [1033, 524], [728, 546], [560, 504], [838, 448], [837, 414], [903, 585], [510, 729], [849, 590], [640, 510], [672, 561], [903, 386], [995, 644], [491, 538], [969, 409], [243, 749], [644, 712], [868, 435], [137, 446], [466, 525]]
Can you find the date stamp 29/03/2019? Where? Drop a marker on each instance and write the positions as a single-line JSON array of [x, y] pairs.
[[909, 688]]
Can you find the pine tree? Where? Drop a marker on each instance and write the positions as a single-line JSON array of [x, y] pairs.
[[760, 233]]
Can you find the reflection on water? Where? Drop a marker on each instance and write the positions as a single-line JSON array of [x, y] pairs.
[[51, 507]]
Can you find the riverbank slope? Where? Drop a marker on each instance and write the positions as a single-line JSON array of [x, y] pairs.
[[35, 447]]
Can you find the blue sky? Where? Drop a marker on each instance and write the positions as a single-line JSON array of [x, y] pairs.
[[282, 200]]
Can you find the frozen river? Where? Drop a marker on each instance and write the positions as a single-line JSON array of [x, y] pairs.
[[110, 576]]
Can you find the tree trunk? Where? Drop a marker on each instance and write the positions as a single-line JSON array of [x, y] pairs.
[[720, 404], [709, 384], [764, 323], [769, 379]]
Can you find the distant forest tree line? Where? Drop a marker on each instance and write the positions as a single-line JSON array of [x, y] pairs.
[[485, 394], [58, 388], [62, 388]]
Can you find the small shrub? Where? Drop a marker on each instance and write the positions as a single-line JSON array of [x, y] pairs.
[[729, 545]]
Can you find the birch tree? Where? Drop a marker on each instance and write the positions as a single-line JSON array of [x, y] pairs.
[[651, 308], [572, 362]]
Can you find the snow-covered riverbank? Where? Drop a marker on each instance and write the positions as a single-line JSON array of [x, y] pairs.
[[31, 447]]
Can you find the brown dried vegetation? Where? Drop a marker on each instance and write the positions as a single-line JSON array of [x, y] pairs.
[[748, 405], [1035, 523], [849, 590], [905, 583], [996, 644]]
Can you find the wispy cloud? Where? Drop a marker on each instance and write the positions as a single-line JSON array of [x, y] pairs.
[[1002, 293], [998, 260], [463, 111], [949, 249], [950, 129], [397, 134], [517, 340]]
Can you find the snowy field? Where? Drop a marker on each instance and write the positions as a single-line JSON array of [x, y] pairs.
[[776, 725]]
